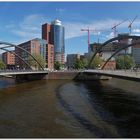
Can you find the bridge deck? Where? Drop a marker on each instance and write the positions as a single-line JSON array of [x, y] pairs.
[[125, 74], [19, 72]]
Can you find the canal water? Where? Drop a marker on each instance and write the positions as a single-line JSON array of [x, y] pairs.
[[67, 109]]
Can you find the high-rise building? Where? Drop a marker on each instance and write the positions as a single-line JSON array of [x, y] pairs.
[[54, 33], [9, 59], [47, 33]]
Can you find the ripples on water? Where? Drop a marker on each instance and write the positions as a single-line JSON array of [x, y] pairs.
[[59, 108]]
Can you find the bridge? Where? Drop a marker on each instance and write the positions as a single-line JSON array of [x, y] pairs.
[[6, 46], [119, 49], [25, 75], [39, 74], [21, 72], [36, 75], [122, 74]]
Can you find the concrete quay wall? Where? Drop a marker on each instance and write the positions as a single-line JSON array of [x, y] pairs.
[[61, 75], [74, 75]]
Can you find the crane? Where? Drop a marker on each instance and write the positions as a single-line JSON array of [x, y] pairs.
[[114, 27], [89, 30], [130, 25]]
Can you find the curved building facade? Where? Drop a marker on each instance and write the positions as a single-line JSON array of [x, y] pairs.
[[58, 35]]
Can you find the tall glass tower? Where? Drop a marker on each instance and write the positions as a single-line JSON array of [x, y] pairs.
[[58, 35], [54, 33]]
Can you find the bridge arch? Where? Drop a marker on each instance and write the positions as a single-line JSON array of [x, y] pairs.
[[109, 41], [16, 55], [120, 49], [16, 46]]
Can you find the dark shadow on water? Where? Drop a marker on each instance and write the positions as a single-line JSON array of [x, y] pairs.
[[116, 106], [81, 119]]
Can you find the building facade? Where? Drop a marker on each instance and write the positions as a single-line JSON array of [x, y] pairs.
[[54, 33], [105, 53], [111, 65], [50, 56], [136, 52], [125, 42], [71, 59], [34, 46], [47, 33], [9, 60]]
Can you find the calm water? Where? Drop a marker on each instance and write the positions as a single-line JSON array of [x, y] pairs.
[[69, 109]]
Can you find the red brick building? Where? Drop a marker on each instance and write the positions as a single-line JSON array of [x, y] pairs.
[[34, 46], [9, 59], [50, 56], [111, 65], [47, 35]]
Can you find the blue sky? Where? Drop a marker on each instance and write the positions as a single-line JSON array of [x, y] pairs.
[[21, 21]]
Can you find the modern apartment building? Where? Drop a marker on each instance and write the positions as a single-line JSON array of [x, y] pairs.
[[34, 46], [9, 59], [54, 33]]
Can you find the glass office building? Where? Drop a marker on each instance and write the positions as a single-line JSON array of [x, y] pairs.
[[58, 34]]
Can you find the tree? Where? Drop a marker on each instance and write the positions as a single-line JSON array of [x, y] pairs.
[[39, 58], [79, 64], [2, 65], [97, 62], [125, 62], [57, 65]]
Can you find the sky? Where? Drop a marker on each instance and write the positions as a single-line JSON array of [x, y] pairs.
[[21, 21]]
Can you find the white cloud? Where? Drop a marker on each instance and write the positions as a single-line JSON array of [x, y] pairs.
[[109, 36], [136, 30], [29, 28], [136, 34], [73, 29], [60, 10], [26, 34]]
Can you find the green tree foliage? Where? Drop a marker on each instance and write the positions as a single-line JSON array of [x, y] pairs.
[[2, 65], [97, 62], [39, 58], [125, 62], [79, 64], [57, 65]]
